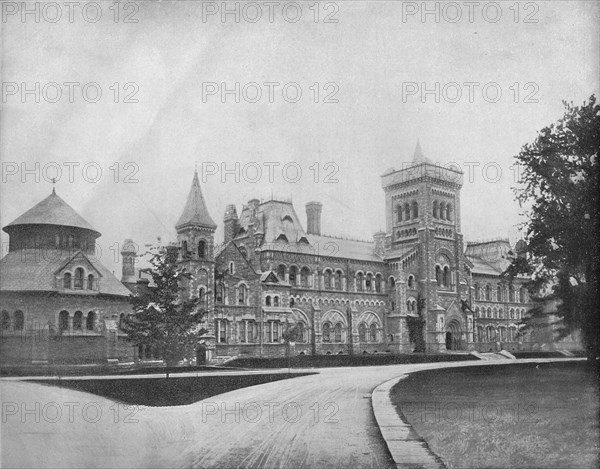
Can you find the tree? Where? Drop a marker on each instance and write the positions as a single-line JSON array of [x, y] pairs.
[[559, 189], [163, 319]]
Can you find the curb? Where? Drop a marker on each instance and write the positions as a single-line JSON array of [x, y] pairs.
[[408, 449]]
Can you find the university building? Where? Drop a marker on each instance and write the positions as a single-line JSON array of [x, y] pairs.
[[416, 286]]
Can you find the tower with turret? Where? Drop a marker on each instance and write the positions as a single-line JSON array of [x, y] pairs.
[[424, 241], [195, 238]]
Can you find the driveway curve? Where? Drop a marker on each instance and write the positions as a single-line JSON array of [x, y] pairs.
[[322, 420]]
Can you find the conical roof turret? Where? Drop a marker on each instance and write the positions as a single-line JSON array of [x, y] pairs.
[[195, 212]]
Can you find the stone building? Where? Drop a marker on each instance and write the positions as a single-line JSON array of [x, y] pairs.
[[59, 304], [415, 286]]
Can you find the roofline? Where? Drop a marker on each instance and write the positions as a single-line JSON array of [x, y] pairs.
[[13, 225]]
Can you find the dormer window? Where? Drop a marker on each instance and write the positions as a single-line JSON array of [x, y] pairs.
[[282, 238], [303, 240], [78, 283], [288, 219], [67, 280]]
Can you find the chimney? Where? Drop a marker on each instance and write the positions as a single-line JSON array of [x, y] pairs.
[[128, 254], [313, 218], [379, 241], [230, 223]]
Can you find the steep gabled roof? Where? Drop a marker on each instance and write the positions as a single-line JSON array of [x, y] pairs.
[[195, 211], [52, 211]]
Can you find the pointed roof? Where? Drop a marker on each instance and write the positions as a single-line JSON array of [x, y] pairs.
[[195, 211], [418, 156], [52, 211]]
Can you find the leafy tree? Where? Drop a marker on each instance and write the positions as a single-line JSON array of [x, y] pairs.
[[559, 189], [163, 319]]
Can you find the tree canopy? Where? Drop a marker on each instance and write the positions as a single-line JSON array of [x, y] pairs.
[[164, 319], [559, 189]]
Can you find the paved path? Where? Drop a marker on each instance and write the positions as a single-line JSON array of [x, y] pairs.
[[323, 420]]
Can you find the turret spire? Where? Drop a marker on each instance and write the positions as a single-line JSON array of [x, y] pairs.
[[195, 211]]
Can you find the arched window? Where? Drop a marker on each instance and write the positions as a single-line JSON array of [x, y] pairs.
[[359, 281], [512, 313], [220, 293], [398, 213], [5, 320], [293, 275], [281, 271], [90, 282], [184, 249], [201, 249], [369, 282], [326, 332], [477, 315], [63, 321], [78, 283], [78, 320], [406, 211], [495, 313], [449, 212], [415, 209], [499, 293], [337, 330], [268, 301], [242, 294], [435, 209], [378, 283], [275, 301], [201, 293], [442, 210], [301, 332], [90, 323], [362, 332], [438, 275], [511, 293], [327, 279], [221, 330], [411, 282], [304, 274], [392, 282], [67, 280], [522, 295], [501, 313], [489, 313], [338, 279], [477, 292], [373, 333], [488, 292], [446, 278]]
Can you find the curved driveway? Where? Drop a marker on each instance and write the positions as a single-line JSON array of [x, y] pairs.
[[322, 420]]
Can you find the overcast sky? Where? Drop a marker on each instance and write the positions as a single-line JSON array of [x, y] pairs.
[[375, 59]]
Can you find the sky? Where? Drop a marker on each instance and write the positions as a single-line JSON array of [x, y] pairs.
[[374, 76]]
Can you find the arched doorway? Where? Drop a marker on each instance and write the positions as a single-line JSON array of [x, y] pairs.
[[454, 336], [201, 355]]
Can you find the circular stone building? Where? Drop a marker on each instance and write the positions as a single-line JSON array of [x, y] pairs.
[[59, 304]]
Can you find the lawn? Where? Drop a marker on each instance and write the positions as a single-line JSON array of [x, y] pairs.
[[161, 391], [505, 416]]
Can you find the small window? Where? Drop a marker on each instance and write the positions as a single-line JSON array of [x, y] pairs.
[[90, 282], [411, 282], [231, 268], [327, 279], [201, 249], [293, 275], [67, 280], [337, 330], [91, 321], [63, 321], [242, 294], [78, 321], [415, 210], [19, 320], [275, 301], [78, 283], [373, 333], [326, 332], [268, 301], [362, 332], [5, 320], [435, 209]]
